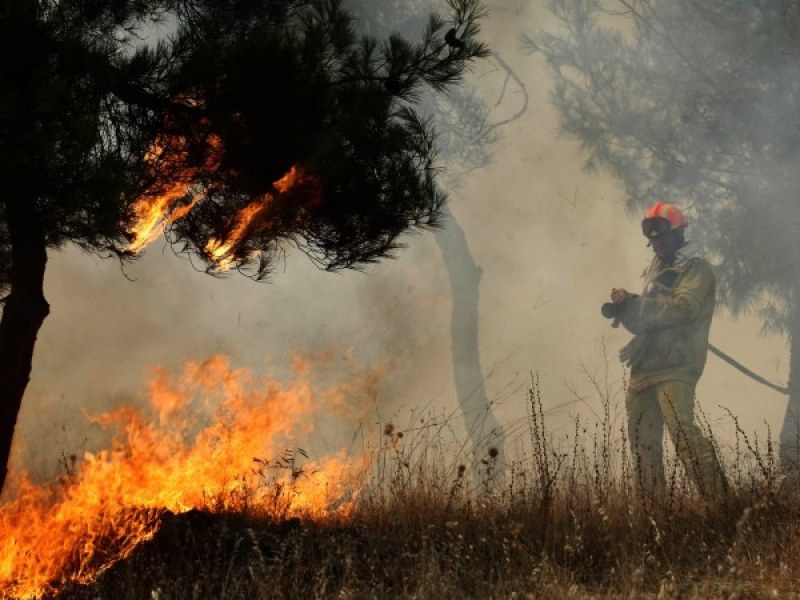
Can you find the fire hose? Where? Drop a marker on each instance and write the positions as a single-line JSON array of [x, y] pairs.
[[610, 311], [742, 369]]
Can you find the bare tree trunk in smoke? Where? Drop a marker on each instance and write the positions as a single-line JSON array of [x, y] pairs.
[[485, 432], [23, 315], [790, 432]]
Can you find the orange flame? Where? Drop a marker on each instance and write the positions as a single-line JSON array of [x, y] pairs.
[[219, 250], [170, 462], [157, 209], [252, 217], [154, 211]]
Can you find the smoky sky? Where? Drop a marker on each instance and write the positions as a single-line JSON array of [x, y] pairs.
[[551, 239]]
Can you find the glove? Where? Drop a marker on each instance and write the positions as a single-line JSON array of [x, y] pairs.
[[610, 310]]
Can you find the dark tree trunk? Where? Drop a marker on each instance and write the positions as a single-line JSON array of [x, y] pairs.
[[484, 430], [24, 312], [790, 432]]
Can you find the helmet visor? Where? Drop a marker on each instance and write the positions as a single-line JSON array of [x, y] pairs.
[[655, 226]]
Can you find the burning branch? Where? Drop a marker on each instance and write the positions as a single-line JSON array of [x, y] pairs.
[[255, 217], [175, 179]]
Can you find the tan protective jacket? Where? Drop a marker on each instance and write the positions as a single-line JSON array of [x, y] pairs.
[[670, 321]]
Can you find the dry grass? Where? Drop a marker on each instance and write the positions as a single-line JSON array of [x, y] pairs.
[[568, 522]]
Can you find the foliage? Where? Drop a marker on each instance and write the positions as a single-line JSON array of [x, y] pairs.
[[94, 120], [461, 117], [697, 102]]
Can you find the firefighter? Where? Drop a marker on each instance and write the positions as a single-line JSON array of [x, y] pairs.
[[670, 321]]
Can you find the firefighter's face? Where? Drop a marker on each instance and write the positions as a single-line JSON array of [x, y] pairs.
[[665, 245]]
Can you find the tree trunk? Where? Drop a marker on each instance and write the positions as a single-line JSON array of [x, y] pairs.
[[24, 312], [790, 432], [482, 426]]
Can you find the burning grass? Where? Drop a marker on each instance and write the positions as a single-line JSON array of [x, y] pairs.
[[175, 189], [565, 522], [200, 445]]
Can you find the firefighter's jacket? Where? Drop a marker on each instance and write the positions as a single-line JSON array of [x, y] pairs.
[[670, 322]]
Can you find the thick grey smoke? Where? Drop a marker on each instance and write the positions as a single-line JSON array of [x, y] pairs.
[[550, 239]]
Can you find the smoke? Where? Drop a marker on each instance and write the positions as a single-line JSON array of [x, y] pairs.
[[551, 239]]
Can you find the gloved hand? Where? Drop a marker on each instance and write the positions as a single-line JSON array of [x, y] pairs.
[[610, 310]]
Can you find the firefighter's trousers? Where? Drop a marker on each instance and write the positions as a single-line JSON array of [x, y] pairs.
[[670, 403]]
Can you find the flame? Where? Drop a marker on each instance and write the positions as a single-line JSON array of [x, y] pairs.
[[155, 211], [252, 218], [172, 460], [220, 250]]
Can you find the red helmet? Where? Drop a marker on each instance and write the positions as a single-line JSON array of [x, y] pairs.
[[663, 218]]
